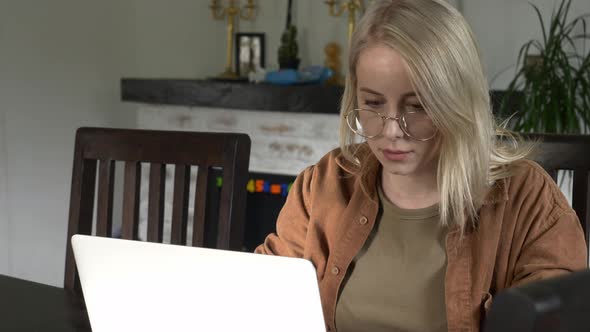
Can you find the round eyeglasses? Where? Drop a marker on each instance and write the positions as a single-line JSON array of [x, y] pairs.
[[415, 123]]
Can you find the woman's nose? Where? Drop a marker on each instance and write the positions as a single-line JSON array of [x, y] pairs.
[[392, 127]]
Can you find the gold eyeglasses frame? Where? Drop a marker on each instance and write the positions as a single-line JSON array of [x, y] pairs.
[[401, 120]]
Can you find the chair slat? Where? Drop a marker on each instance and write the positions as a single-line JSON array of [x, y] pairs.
[[200, 207], [580, 199], [86, 208], [225, 206], [156, 198], [586, 213], [180, 204], [553, 173], [131, 200], [104, 209]]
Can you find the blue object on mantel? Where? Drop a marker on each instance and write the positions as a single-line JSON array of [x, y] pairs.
[[307, 75]]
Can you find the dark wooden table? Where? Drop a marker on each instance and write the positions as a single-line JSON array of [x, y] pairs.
[[29, 306]]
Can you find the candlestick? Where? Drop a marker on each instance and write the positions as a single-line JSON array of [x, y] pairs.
[[352, 7], [231, 12]]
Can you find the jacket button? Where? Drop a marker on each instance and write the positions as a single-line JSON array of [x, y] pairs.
[[363, 220], [335, 270]]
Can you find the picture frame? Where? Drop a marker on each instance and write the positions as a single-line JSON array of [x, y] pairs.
[[250, 50]]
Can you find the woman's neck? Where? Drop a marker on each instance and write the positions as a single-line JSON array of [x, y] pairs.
[[410, 191]]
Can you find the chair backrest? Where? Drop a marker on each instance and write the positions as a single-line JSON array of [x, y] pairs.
[[100, 148], [568, 152]]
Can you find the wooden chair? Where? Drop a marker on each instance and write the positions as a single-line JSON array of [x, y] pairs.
[[104, 146], [568, 152]]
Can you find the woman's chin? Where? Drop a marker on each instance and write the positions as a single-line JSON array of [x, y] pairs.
[[402, 169]]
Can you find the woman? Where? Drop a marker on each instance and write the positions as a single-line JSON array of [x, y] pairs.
[[416, 227]]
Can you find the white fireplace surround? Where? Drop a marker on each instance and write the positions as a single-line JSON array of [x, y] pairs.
[[282, 142]]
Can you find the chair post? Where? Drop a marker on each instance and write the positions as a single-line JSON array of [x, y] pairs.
[[131, 200], [81, 207]]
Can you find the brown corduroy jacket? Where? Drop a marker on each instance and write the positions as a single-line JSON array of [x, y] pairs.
[[526, 231]]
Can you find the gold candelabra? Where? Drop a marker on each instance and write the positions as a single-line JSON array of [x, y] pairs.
[[231, 11], [351, 6]]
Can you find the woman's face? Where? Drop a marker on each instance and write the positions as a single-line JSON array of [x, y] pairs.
[[384, 86]]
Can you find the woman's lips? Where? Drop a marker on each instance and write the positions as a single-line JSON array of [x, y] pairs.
[[396, 155]]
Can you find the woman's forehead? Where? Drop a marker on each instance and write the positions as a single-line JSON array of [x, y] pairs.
[[381, 69]]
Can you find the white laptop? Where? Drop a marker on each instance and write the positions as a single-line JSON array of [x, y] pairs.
[[140, 286]]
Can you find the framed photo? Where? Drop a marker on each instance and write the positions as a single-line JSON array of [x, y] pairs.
[[250, 48]]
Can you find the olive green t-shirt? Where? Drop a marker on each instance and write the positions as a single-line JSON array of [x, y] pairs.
[[396, 282]]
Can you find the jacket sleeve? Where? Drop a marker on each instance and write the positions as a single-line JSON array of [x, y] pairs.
[[554, 246], [293, 220]]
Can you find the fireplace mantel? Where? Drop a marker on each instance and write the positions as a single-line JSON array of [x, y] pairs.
[[229, 95]]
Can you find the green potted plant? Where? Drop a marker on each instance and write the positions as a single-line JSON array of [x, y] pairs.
[[289, 49], [550, 92]]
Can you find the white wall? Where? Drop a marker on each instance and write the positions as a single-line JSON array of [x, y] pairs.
[[178, 39], [4, 222], [60, 66], [503, 26]]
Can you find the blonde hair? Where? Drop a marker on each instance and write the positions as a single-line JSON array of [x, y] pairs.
[[445, 68]]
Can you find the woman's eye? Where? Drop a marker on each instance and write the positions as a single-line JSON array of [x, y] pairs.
[[372, 103], [415, 108]]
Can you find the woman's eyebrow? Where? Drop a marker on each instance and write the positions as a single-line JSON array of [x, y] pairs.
[[409, 94], [403, 96], [364, 89]]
